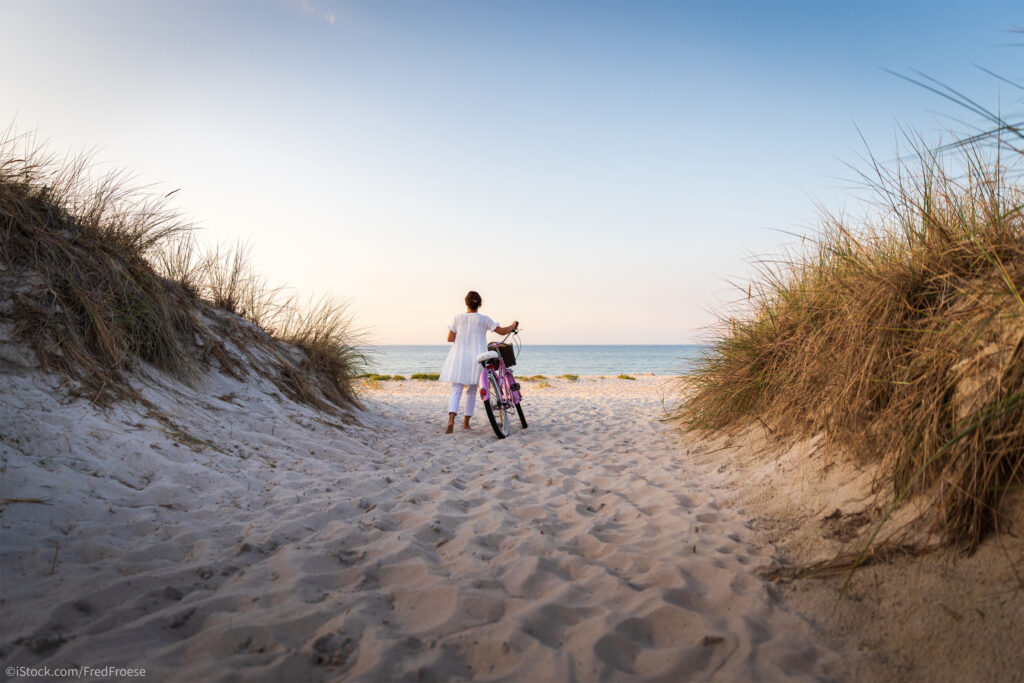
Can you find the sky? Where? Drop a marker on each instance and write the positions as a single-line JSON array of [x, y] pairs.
[[604, 172]]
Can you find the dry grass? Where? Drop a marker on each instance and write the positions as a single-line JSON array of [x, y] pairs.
[[87, 298], [102, 275], [225, 278], [901, 337], [325, 332]]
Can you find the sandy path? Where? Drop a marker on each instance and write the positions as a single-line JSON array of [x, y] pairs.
[[582, 548], [282, 546]]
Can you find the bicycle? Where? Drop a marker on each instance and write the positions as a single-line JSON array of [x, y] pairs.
[[499, 389]]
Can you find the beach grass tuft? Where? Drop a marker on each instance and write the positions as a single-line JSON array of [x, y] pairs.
[[899, 336], [625, 377], [425, 376], [324, 330], [103, 275], [571, 378]]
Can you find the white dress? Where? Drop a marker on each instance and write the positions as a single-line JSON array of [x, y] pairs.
[[470, 330]]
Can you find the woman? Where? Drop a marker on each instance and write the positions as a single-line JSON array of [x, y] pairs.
[[468, 331]]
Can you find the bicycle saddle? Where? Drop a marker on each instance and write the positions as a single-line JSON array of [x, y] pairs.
[[486, 356]]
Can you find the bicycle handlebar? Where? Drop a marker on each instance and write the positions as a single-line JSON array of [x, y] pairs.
[[515, 331]]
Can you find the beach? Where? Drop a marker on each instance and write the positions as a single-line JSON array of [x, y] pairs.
[[775, 421], [226, 533]]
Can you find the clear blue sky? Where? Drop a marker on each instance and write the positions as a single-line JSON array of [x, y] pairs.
[[598, 170]]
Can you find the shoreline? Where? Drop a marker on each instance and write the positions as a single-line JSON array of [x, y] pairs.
[[524, 375], [551, 360]]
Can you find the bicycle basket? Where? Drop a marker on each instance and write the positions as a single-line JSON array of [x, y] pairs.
[[507, 353]]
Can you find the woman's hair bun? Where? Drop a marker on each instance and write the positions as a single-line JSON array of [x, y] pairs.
[[473, 300]]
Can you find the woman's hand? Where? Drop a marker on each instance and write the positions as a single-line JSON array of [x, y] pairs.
[[507, 329]]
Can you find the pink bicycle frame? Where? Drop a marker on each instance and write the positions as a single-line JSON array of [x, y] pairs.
[[502, 373]]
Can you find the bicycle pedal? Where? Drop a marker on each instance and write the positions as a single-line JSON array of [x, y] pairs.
[[515, 386]]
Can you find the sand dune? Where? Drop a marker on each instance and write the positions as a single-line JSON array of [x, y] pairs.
[[227, 533]]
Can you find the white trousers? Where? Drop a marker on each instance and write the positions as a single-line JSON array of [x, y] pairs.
[[453, 402]]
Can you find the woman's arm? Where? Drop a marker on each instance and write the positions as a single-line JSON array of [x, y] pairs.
[[507, 328]]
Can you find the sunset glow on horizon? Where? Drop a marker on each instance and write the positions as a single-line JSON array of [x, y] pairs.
[[601, 171]]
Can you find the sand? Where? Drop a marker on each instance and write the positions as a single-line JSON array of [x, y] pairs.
[[946, 616], [224, 532]]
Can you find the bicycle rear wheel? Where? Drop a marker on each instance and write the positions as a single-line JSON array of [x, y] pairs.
[[495, 406]]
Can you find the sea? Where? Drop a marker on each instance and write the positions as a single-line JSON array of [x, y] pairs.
[[550, 360]]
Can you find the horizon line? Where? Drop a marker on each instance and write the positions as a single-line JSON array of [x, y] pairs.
[[562, 344]]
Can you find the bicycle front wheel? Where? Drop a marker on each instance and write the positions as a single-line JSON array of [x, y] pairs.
[[495, 406]]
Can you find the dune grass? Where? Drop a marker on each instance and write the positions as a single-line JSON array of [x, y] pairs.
[[103, 275], [900, 337], [625, 377], [87, 298], [326, 332], [571, 378], [425, 376]]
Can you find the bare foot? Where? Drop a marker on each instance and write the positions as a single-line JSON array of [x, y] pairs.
[[465, 424], [451, 424]]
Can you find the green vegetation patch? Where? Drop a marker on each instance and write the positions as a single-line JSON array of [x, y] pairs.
[[571, 378], [625, 377], [425, 375]]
